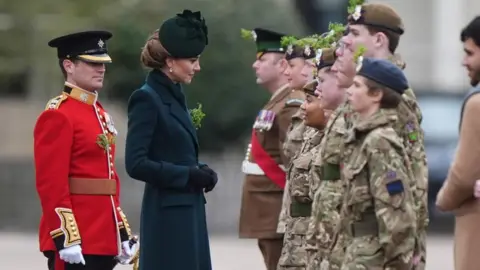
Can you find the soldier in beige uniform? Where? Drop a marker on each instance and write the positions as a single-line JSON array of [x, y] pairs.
[[264, 165], [377, 27], [300, 72], [328, 189], [294, 245]]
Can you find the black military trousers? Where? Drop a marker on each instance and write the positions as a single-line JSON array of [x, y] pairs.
[[92, 262]]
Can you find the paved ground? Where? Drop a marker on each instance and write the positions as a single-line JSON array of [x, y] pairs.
[[228, 253]]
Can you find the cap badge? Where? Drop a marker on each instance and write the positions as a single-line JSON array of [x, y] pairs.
[[318, 56], [357, 13], [254, 36], [289, 49], [307, 50], [101, 43], [359, 63]]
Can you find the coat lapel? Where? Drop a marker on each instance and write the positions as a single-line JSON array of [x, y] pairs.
[[172, 96], [184, 119]]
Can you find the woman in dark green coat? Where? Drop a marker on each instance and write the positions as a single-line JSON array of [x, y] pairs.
[[162, 150]]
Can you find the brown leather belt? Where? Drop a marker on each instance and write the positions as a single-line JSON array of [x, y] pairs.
[[93, 186]]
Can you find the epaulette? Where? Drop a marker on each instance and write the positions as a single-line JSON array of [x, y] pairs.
[[55, 102], [294, 101], [295, 98]]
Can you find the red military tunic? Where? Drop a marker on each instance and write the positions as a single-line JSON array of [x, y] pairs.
[[75, 176]]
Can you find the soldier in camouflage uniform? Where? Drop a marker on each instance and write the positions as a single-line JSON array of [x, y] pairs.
[[378, 212], [293, 252], [366, 24], [327, 188], [299, 73]]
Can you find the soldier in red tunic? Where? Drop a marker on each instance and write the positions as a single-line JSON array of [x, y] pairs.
[[82, 224]]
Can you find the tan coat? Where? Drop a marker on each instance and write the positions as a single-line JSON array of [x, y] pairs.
[[456, 194], [262, 198]]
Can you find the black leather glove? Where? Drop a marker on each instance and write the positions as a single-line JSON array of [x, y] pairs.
[[213, 174], [199, 179]]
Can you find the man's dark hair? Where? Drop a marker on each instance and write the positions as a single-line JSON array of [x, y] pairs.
[[472, 30], [393, 38], [60, 63]]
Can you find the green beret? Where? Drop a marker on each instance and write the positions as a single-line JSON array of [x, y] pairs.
[[377, 15], [185, 35]]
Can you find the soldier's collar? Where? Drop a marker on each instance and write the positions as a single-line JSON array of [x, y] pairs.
[[363, 126], [279, 91], [80, 94]]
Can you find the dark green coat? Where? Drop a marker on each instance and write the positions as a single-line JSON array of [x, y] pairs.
[[161, 146]]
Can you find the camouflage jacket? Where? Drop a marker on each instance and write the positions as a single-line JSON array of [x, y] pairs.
[[327, 189], [300, 130], [408, 128], [378, 211]]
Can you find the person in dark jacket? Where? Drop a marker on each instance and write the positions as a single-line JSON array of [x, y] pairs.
[[162, 150]]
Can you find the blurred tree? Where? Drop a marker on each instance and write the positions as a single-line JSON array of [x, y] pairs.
[[316, 14], [226, 85]]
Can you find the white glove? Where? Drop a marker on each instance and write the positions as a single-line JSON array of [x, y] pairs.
[[127, 252], [72, 255]]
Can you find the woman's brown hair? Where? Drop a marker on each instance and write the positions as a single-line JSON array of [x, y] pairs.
[[390, 98], [153, 53]]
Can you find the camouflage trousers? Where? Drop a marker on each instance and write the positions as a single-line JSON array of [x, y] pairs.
[[294, 254], [422, 242], [322, 248], [322, 259], [366, 253]]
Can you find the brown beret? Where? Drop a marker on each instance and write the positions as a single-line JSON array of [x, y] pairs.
[[377, 15], [310, 87], [325, 58]]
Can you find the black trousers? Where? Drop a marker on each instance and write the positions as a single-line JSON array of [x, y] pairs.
[[92, 262]]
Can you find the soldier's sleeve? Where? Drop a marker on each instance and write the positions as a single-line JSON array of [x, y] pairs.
[[123, 225], [458, 187], [292, 105], [389, 185], [294, 137], [142, 119], [53, 139]]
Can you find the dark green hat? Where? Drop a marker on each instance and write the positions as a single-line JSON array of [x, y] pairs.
[[294, 51], [89, 46], [185, 35], [268, 41]]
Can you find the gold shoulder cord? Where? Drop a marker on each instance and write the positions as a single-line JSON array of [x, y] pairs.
[[55, 102]]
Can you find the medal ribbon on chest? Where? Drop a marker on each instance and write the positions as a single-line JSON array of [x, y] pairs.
[[264, 121]]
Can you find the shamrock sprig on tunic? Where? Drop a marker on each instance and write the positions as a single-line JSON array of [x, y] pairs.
[[197, 116], [105, 140]]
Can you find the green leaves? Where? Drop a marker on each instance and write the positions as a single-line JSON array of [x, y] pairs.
[[352, 4], [197, 115]]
